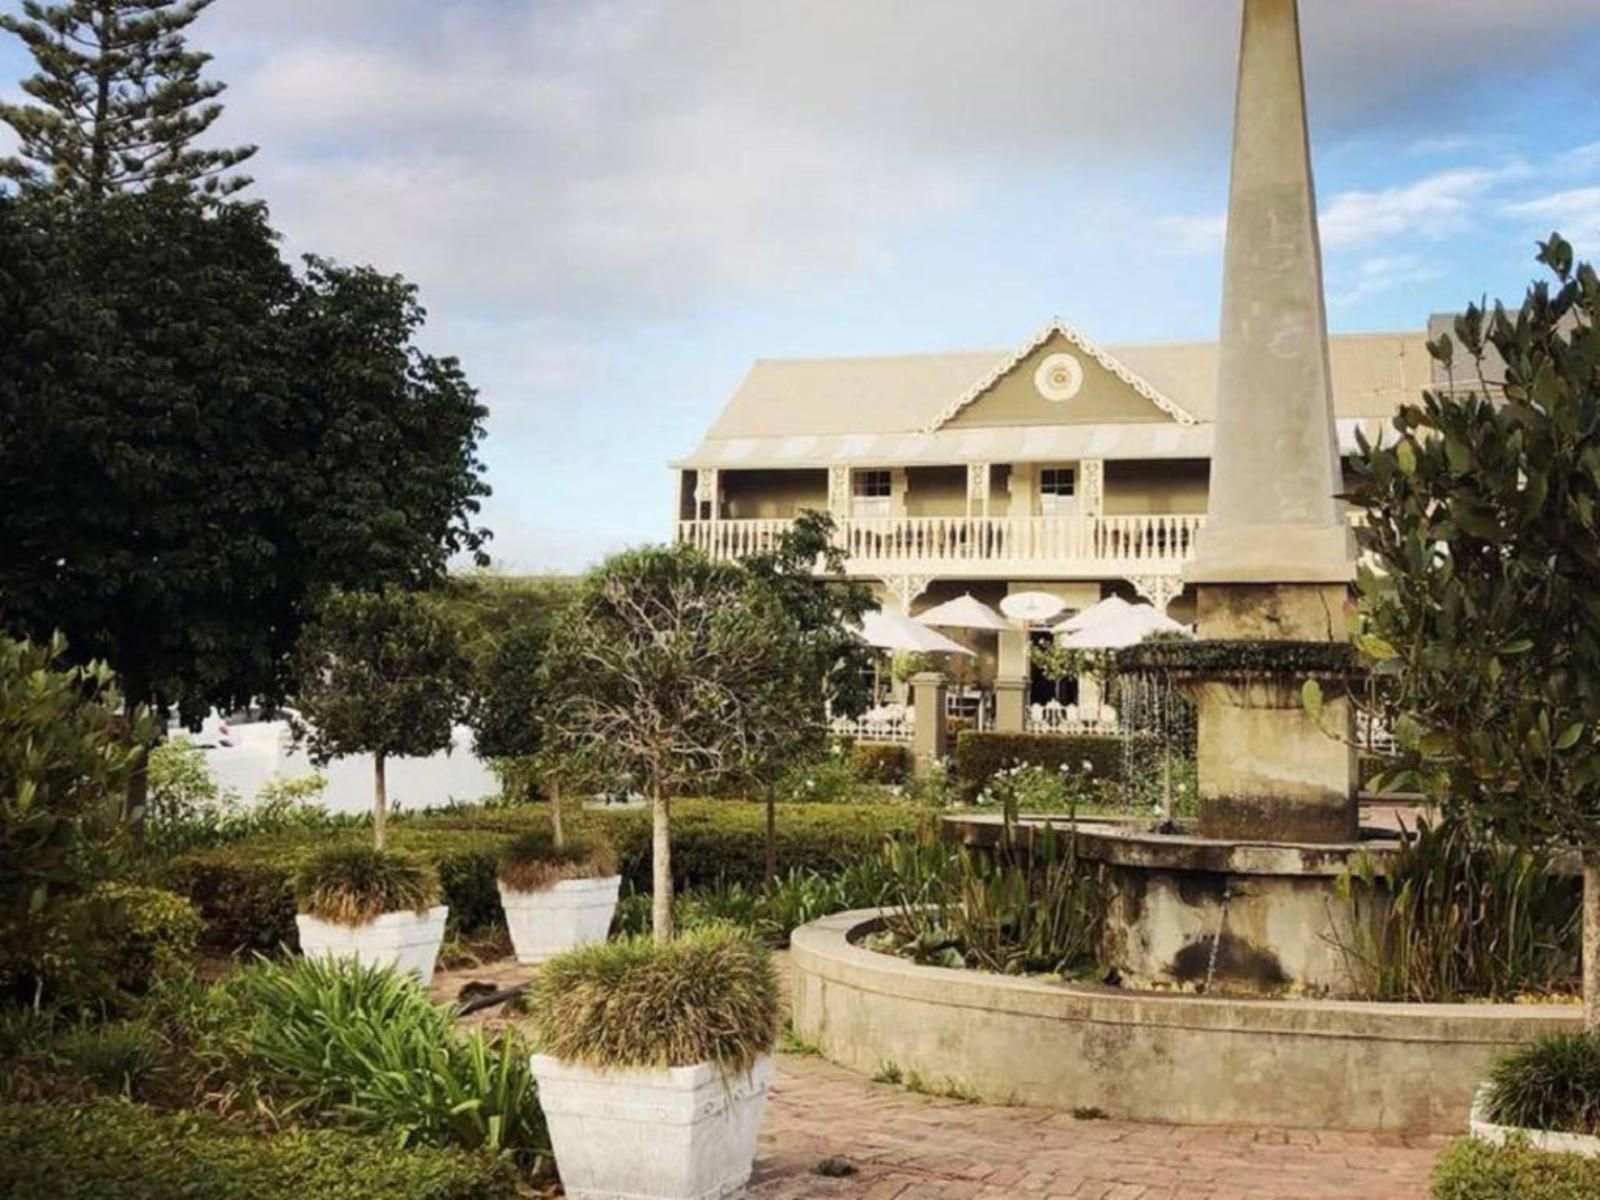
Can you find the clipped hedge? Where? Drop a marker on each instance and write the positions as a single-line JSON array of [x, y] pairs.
[[244, 890], [115, 1149], [980, 755], [1473, 1170], [880, 762]]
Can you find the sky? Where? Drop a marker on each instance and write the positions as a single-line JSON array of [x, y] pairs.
[[612, 209]]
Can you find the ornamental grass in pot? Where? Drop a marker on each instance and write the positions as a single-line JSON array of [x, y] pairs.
[[654, 1063], [557, 892], [375, 906], [1546, 1093]]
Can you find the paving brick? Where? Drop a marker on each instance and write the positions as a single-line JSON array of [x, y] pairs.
[[910, 1147]]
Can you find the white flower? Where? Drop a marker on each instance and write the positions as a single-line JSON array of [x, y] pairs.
[[1088, 767]]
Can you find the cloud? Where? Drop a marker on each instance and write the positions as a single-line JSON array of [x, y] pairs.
[[1375, 276], [1575, 213], [1434, 207]]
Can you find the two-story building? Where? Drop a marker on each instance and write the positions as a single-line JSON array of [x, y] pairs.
[[1059, 466]]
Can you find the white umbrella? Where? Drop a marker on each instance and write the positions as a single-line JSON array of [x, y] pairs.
[[896, 631], [1109, 608], [1127, 627], [965, 612]]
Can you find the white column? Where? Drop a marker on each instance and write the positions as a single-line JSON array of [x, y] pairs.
[[977, 489], [708, 494], [839, 492]]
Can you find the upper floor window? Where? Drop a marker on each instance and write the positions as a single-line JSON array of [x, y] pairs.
[[1058, 491], [1058, 481], [873, 485], [870, 493]]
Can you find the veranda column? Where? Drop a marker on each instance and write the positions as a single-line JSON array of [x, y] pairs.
[[1276, 557], [932, 738]]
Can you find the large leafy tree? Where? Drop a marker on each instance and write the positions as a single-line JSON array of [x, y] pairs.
[[671, 673], [194, 441], [1481, 610], [805, 573], [118, 99], [379, 673]]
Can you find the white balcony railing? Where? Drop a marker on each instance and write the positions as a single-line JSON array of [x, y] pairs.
[[1158, 541]]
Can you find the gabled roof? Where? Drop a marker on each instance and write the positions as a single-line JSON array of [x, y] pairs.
[[815, 410], [1053, 328]]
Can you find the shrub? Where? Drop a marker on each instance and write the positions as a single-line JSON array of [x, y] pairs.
[[1472, 1170], [1455, 916], [127, 1151], [117, 940], [980, 755], [709, 996], [827, 779], [880, 762], [366, 1046], [67, 751], [533, 861], [1039, 912], [1551, 1084], [351, 885], [245, 894], [116, 1056]]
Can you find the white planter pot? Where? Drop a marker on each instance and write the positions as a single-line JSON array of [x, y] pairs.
[[680, 1134], [407, 941], [573, 912], [1540, 1139]]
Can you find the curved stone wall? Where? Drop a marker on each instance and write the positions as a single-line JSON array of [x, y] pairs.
[[1198, 1060]]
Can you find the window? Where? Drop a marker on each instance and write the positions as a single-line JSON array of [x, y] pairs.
[[1058, 488], [1058, 481], [870, 495], [872, 485]]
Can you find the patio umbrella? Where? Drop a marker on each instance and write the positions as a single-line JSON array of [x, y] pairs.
[[1108, 609], [896, 631], [965, 612], [1118, 628]]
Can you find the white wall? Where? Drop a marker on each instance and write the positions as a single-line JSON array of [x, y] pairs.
[[261, 749]]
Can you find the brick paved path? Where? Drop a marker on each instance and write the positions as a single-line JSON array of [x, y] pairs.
[[910, 1147]]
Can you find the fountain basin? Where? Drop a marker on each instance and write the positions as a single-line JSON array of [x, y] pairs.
[[1321, 1064]]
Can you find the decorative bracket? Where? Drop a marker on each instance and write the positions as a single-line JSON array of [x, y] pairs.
[[708, 492], [1160, 590], [903, 589]]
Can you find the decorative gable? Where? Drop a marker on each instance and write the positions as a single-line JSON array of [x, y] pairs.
[[1060, 377]]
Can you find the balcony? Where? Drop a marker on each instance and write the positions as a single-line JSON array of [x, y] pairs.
[[980, 547]]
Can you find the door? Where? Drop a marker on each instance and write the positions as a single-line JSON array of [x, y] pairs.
[[1058, 492]]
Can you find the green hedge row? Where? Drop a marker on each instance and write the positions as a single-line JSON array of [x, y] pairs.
[[129, 1152], [1471, 1170], [244, 890], [980, 755]]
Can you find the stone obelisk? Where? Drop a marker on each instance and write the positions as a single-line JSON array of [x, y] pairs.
[[1276, 558]]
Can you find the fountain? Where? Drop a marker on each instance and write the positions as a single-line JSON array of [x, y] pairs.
[[1246, 903]]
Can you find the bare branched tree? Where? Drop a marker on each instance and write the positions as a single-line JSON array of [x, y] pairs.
[[671, 675]]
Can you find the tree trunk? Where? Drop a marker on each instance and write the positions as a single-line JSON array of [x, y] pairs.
[[99, 137], [380, 802], [772, 832], [1591, 940], [556, 832], [660, 867]]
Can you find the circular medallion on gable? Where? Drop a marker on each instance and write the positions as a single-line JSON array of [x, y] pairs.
[[1059, 377]]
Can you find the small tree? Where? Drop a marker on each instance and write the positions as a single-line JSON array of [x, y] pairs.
[[1481, 612], [120, 101], [671, 672], [826, 609], [378, 673]]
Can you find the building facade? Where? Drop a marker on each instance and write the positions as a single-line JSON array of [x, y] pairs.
[[1060, 466]]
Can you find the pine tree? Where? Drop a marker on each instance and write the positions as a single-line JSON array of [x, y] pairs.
[[120, 97]]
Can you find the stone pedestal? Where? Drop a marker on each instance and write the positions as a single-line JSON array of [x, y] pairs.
[[1010, 705], [931, 741], [1268, 770]]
